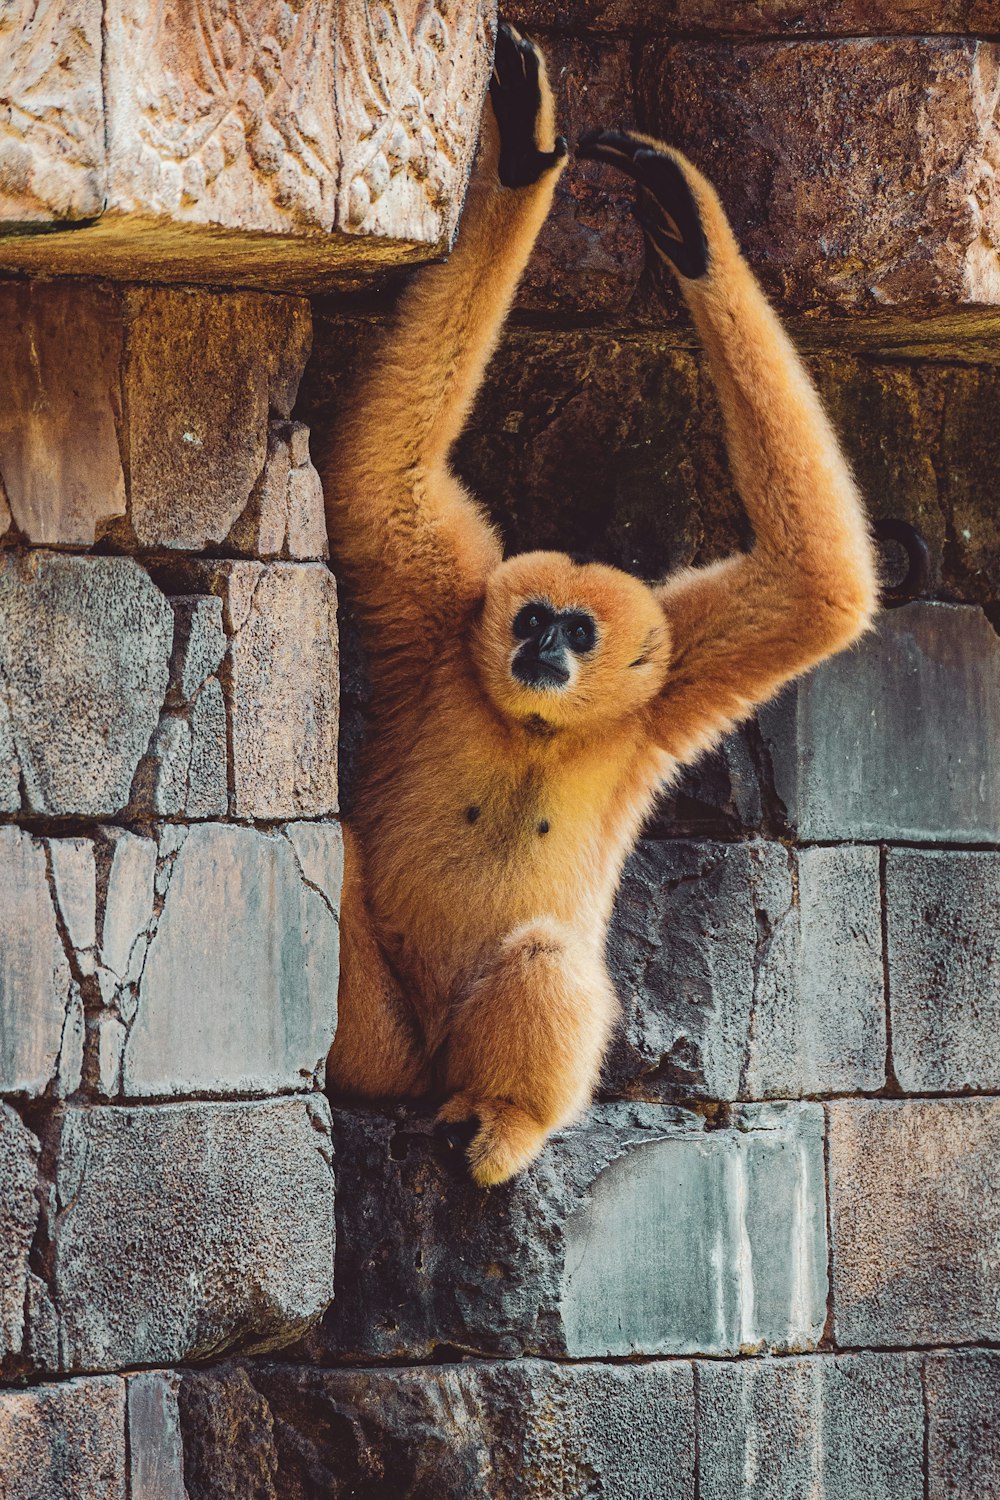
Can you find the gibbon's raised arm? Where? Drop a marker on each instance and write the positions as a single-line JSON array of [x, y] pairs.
[[397, 517], [746, 625]]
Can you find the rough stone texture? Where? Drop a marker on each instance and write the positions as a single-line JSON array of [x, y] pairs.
[[747, 972], [283, 661], [757, 118], [155, 1448], [60, 371], [197, 429], [84, 646], [847, 1429], [915, 1221], [18, 1218], [605, 1246], [65, 1442], [899, 738], [767, 17], [963, 1440], [238, 983], [182, 1230], [528, 1431], [285, 516], [944, 968], [294, 131], [41, 1013]]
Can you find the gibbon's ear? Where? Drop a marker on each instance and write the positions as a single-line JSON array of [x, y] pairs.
[[666, 208]]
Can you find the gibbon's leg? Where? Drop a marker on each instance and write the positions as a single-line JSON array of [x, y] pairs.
[[746, 625], [401, 526], [525, 1047], [378, 1050]]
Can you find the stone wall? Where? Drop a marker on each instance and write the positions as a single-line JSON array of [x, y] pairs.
[[766, 1265]]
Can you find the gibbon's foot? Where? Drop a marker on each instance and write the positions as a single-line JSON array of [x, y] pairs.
[[516, 92], [667, 209], [457, 1134], [507, 1139]]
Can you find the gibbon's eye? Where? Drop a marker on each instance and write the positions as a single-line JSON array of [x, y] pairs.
[[582, 633], [530, 619]]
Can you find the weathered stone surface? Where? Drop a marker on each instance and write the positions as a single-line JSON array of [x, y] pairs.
[[64, 1442], [155, 1448], [849, 1428], [186, 772], [84, 646], [746, 971], [18, 1218], [915, 1221], [52, 112], [526, 1431], [944, 968], [41, 1014], [284, 516], [899, 738], [204, 370], [757, 118], [637, 1232], [60, 371], [282, 620], [766, 17], [183, 1230], [963, 1438], [238, 986]]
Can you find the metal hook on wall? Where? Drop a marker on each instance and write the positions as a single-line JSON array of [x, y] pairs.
[[914, 583]]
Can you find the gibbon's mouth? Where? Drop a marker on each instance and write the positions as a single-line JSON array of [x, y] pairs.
[[539, 674]]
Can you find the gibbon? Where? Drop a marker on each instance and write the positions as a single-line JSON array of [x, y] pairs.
[[527, 710]]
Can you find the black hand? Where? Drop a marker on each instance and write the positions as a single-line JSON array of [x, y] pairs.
[[666, 208], [516, 94]]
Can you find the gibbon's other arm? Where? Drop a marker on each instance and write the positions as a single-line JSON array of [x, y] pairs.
[[410, 538], [746, 625]]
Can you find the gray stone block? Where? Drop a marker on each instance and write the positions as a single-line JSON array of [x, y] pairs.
[[747, 970], [18, 1219], [64, 1442], [638, 1232], [41, 1012], [84, 647], [944, 968], [899, 738], [849, 1428], [527, 1431], [179, 1231], [915, 1221], [963, 1433], [155, 1449]]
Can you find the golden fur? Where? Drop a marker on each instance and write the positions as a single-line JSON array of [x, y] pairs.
[[493, 819]]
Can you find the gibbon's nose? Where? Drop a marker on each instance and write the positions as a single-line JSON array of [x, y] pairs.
[[550, 641]]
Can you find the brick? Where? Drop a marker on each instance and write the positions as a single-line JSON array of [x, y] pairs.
[[18, 1220], [899, 738], [84, 646], [963, 1437], [182, 1230], [527, 1431], [603, 1245], [41, 1013], [849, 1428], [944, 968], [915, 1222], [66, 1440]]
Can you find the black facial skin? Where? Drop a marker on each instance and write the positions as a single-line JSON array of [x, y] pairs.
[[550, 637]]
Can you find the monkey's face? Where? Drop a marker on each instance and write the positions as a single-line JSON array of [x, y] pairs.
[[569, 643]]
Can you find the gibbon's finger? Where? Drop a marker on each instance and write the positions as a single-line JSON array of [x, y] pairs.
[[675, 224], [506, 57], [616, 147]]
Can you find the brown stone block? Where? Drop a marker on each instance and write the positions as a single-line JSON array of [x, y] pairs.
[[762, 17], [64, 1440], [857, 173]]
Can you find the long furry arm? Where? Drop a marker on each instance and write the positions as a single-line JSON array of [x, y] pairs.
[[808, 588]]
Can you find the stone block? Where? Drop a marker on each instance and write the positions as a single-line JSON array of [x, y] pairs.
[[60, 371], [179, 1231], [915, 1221], [282, 621], [18, 1221], [155, 1449], [84, 647], [761, 17], [747, 971], [963, 1436], [527, 1431], [285, 515], [849, 1428], [64, 1442], [884, 223], [639, 1232], [899, 738], [944, 968], [41, 1012], [52, 116]]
